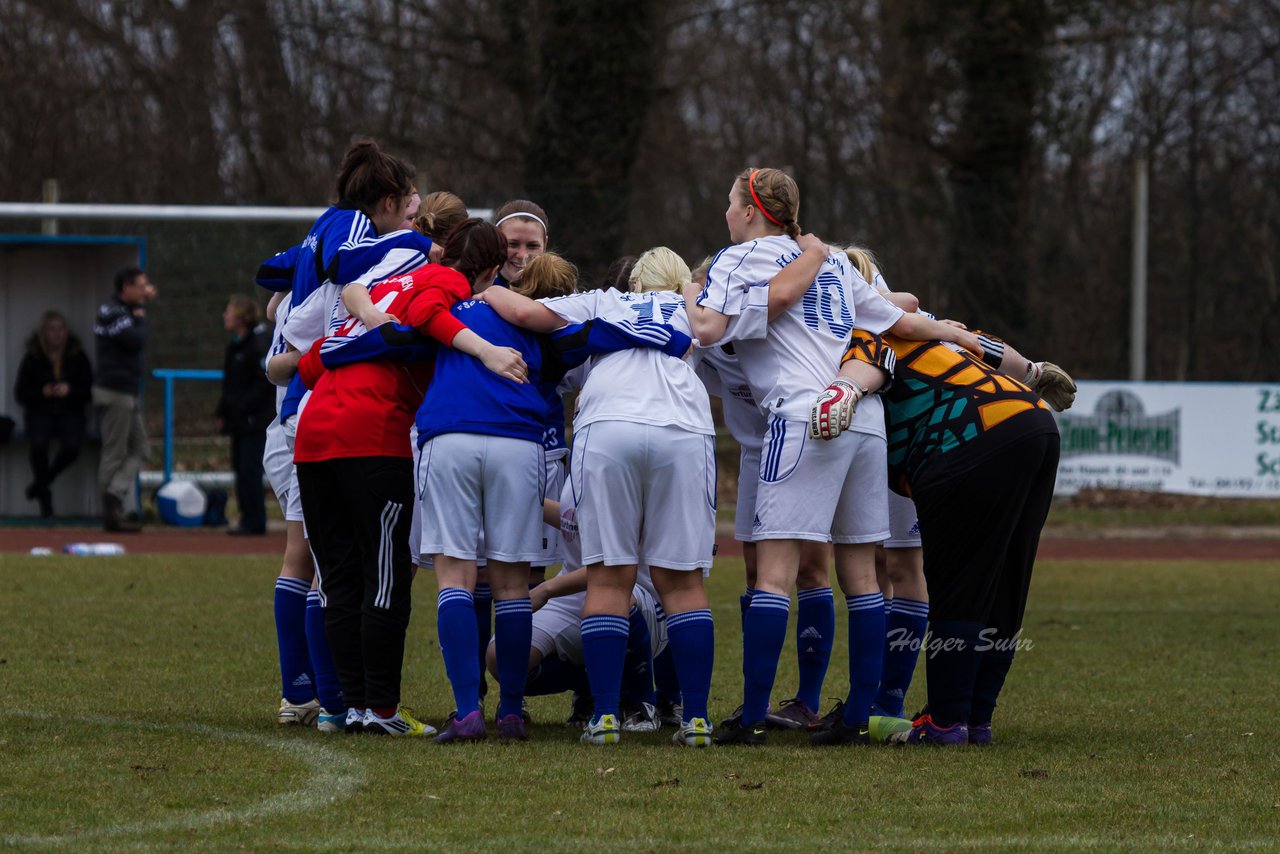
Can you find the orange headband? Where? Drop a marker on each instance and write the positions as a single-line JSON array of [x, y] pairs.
[[751, 185]]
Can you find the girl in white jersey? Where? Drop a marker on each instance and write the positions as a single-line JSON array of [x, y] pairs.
[[789, 336], [815, 625], [642, 479]]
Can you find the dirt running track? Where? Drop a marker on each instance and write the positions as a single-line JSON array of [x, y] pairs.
[[163, 540]]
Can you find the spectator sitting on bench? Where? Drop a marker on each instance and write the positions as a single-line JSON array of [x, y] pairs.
[[54, 382]]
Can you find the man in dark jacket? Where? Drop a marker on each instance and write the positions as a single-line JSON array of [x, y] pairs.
[[247, 406], [120, 335]]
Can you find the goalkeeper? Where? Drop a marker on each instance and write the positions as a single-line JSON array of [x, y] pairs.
[[978, 452]]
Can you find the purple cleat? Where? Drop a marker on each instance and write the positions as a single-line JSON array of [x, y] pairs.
[[980, 733], [470, 728], [511, 727], [925, 731]]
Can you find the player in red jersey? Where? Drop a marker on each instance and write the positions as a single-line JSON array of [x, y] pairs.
[[356, 477]]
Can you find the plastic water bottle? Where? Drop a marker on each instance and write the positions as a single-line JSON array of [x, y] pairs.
[[41, 551], [93, 549]]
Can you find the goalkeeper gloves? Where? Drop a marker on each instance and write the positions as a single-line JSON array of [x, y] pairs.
[[1052, 383], [834, 408]]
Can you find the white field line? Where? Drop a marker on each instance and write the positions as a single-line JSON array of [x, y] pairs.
[[334, 776]]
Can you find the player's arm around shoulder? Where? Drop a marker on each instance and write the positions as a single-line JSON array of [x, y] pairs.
[[791, 283], [521, 311]]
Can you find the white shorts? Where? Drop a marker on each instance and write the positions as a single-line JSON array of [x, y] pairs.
[[744, 515], [904, 524], [551, 533], [809, 487], [472, 483], [862, 514], [640, 489], [557, 626], [277, 462]]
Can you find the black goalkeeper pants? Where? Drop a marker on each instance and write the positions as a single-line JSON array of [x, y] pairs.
[[980, 532], [358, 512]]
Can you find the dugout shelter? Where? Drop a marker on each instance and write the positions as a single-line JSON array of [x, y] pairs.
[[73, 274]]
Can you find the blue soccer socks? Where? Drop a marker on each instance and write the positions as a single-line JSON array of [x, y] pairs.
[[815, 632], [456, 628], [691, 639], [866, 655], [513, 633], [296, 682], [604, 648], [764, 630], [905, 626]]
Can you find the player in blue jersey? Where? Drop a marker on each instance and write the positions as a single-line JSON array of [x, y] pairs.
[[545, 276], [524, 227], [374, 191]]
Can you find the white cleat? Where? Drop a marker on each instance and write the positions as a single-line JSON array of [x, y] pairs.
[[602, 730], [696, 733], [295, 714]]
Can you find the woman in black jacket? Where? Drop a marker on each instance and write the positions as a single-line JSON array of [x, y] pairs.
[[247, 406], [54, 382]]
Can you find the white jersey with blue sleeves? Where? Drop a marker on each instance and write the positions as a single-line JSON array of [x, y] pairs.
[[640, 386], [789, 360]]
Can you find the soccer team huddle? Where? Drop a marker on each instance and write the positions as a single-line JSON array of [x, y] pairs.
[[424, 358]]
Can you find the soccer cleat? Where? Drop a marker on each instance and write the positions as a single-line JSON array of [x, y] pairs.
[[602, 730], [736, 718], [355, 721], [401, 723], [793, 714], [882, 728], [840, 733], [828, 720], [696, 733], [580, 714], [470, 728], [303, 714], [670, 713], [643, 719], [925, 731], [336, 722], [980, 734], [511, 728], [751, 735]]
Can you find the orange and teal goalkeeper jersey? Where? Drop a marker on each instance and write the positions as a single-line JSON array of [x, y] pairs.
[[945, 410]]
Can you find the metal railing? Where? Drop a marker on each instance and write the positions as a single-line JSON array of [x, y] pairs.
[[169, 375]]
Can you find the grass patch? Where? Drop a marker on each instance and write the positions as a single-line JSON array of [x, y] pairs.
[[1099, 509], [140, 695]]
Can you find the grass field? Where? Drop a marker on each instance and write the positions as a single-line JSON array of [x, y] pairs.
[[138, 699]]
